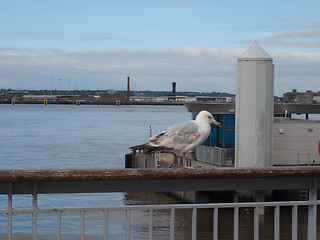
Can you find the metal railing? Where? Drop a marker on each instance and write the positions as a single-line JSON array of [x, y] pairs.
[[89, 181], [215, 155]]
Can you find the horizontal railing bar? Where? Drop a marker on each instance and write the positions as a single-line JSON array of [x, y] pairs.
[[158, 185], [166, 206], [160, 174]]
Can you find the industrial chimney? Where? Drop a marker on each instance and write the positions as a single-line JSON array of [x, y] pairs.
[[128, 89], [254, 108], [174, 88]]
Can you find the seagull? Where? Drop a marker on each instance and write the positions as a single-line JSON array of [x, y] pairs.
[[181, 137]]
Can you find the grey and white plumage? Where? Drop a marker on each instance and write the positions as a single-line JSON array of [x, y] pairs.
[[181, 137]]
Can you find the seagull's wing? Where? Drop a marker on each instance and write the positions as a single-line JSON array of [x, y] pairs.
[[178, 136]]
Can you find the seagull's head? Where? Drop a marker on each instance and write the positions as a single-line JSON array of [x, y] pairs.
[[206, 116]]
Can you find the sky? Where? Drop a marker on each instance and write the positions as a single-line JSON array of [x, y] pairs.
[[82, 44]]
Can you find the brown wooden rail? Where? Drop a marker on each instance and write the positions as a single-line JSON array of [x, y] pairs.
[[154, 174]]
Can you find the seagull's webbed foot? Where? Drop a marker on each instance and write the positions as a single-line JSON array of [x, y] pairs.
[[187, 165]]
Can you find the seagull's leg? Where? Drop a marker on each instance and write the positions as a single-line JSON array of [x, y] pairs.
[[175, 159], [181, 158], [187, 167]]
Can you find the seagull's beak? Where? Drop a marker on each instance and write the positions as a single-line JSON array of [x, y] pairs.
[[216, 123]]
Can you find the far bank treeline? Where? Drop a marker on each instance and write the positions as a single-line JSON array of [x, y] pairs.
[[66, 96], [147, 93]]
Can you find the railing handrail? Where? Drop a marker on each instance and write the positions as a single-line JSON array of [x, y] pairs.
[[37, 182], [57, 175]]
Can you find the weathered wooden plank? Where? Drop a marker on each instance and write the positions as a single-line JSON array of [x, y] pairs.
[[154, 174]]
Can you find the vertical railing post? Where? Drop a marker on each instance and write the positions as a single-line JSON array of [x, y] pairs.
[[9, 211], [256, 223], [105, 227], [34, 210], [312, 210], [294, 220], [236, 223], [150, 223], [277, 222], [128, 224], [194, 223], [172, 214], [59, 225], [215, 223], [82, 228]]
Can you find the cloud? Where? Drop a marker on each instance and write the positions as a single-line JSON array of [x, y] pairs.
[[307, 36], [313, 25], [306, 39], [296, 70], [193, 68], [281, 34], [240, 28], [12, 49], [309, 3], [112, 39]]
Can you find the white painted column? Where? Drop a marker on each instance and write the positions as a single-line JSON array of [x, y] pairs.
[[254, 108]]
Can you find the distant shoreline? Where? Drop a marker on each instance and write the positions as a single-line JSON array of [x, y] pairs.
[[93, 103]]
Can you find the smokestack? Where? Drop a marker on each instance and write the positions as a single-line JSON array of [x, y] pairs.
[[174, 88], [128, 89]]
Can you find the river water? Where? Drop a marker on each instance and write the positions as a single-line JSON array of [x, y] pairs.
[[75, 137]]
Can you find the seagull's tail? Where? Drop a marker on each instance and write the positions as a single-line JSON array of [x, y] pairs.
[[148, 147]]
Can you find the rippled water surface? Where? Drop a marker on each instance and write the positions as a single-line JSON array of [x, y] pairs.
[[70, 136], [74, 137]]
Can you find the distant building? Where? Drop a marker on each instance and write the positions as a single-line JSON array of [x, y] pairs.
[[307, 97], [217, 99], [170, 99]]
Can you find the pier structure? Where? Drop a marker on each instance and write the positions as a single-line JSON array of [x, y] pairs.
[[256, 132], [295, 141]]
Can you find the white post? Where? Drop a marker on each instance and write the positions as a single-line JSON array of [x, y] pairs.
[[254, 108], [312, 211]]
